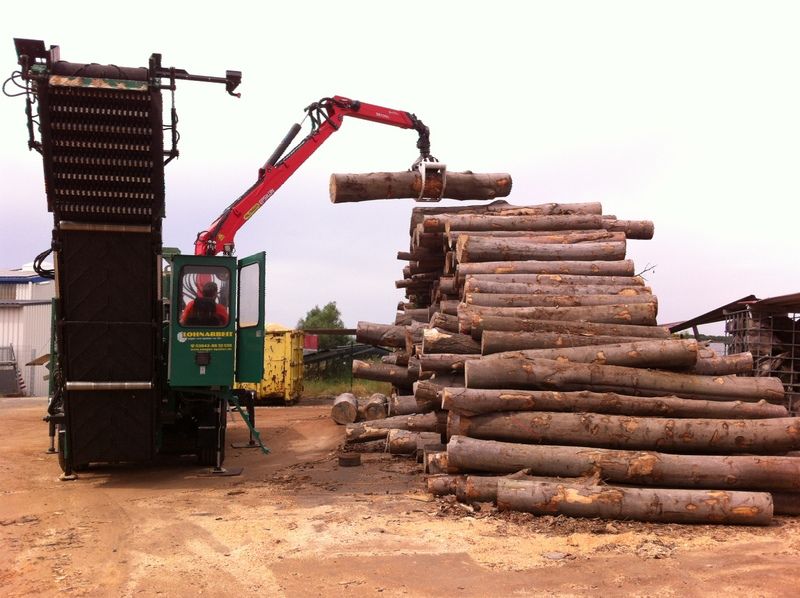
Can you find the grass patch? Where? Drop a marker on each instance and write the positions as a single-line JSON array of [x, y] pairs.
[[336, 385]]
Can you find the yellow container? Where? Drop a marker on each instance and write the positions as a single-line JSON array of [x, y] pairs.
[[283, 365]]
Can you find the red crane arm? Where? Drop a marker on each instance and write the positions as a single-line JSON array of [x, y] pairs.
[[326, 118]]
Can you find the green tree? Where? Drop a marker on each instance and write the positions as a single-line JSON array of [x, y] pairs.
[[328, 316]]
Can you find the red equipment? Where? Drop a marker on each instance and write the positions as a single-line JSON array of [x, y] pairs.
[[326, 117]]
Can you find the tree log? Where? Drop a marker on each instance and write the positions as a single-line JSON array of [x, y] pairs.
[[493, 342], [633, 229], [474, 285], [663, 354], [381, 335], [468, 401], [504, 327], [404, 405], [449, 307], [544, 300], [489, 249], [547, 374], [785, 503], [737, 363], [559, 279], [397, 375], [375, 430], [344, 409], [441, 341], [689, 435], [445, 362], [591, 268], [375, 407], [638, 314], [627, 467], [346, 188], [405, 442], [435, 462], [486, 222], [444, 322], [396, 358], [501, 207], [638, 504]]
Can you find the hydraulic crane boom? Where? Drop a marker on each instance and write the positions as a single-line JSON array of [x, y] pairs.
[[326, 117]]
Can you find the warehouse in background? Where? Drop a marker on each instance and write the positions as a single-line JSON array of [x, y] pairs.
[[25, 311]]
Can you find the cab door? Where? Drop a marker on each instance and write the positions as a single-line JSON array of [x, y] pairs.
[[250, 319]]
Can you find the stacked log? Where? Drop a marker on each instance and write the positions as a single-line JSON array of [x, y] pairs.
[[542, 351]]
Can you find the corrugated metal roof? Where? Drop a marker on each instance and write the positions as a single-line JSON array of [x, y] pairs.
[[780, 304], [23, 302]]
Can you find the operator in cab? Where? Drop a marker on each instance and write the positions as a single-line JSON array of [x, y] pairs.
[[205, 310]]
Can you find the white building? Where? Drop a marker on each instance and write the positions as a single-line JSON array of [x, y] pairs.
[[25, 313]]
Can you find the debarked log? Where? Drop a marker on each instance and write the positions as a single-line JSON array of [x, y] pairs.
[[346, 188], [374, 430], [627, 467], [665, 505], [664, 354], [546, 374], [689, 435], [469, 401]]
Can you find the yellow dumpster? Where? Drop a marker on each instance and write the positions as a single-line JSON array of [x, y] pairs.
[[283, 365]]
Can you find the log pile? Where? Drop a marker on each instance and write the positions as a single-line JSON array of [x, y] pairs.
[[526, 331]]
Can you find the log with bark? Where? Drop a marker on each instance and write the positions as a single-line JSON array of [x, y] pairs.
[[376, 406], [637, 504], [646, 468], [406, 442], [345, 409], [493, 342], [445, 362], [663, 354], [637, 314], [375, 430], [475, 285], [435, 461], [444, 321], [491, 222], [517, 332], [490, 249], [590, 268], [502, 207], [633, 229], [558, 279], [381, 335], [345, 188], [404, 405], [547, 300], [442, 341], [469, 401], [546, 374], [382, 372], [541, 236], [737, 363], [689, 435]]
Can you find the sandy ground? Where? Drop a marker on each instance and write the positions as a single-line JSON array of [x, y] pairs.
[[296, 524]]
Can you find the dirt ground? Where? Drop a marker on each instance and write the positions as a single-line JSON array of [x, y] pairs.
[[296, 524]]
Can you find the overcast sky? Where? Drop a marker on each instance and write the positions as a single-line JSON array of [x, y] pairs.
[[684, 113]]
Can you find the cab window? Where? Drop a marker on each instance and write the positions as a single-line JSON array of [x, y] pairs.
[[204, 296]]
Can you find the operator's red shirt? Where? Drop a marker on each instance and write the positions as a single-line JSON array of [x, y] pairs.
[[221, 313]]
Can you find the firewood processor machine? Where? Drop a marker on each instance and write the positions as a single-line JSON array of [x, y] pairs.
[[133, 374]]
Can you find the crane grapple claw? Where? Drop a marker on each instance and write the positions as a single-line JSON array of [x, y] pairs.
[[433, 179]]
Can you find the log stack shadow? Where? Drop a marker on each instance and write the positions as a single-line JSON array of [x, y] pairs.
[[529, 344]]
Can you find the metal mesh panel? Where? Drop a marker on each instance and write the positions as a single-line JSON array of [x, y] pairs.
[[774, 341]]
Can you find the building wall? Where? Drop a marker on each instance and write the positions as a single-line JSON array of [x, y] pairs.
[[27, 329]]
